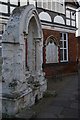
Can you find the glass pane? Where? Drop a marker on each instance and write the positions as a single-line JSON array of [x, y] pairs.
[[0, 38], [39, 4], [32, 2], [53, 6], [67, 22], [65, 54], [4, 0], [64, 36], [60, 36], [3, 8], [61, 8], [44, 4], [61, 54], [61, 44], [64, 44], [67, 13], [57, 6], [15, 2], [49, 4], [73, 15], [73, 23], [23, 2]]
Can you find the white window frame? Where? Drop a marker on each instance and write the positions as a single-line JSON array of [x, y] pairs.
[[62, 48], [42, 3], [55, 4]]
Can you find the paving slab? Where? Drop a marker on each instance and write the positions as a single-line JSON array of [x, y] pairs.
[[70, 113], [64, 105], [46, 115]]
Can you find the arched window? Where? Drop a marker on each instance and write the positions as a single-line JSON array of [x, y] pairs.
[[51, 50], [59, 19], [45, 16]]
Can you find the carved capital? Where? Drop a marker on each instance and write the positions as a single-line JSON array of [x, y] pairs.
[[25, 35]]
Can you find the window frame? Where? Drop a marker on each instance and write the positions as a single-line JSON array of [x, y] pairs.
[[72, 17], [63, 48]]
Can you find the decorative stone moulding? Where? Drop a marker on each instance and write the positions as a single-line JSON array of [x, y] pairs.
[[22, 85]]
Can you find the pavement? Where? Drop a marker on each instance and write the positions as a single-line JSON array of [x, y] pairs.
[[65, 104]]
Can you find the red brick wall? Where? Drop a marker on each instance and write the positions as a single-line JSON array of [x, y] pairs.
[[64, 68], [60, 68], [72, 47]]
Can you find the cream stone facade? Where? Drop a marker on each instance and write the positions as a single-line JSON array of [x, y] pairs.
[[21, 84]]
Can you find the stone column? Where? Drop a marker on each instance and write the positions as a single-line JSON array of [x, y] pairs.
[[25, 38], [27, 74], [38, 54]]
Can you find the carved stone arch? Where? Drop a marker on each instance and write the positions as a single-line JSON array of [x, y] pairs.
[[51, 38], [18, 87], [26, 17], [17, 31], [51, 49]]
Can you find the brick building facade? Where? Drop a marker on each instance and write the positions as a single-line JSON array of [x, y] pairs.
[[57, 17], [61, 67], [36, 37], [60, 28]]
